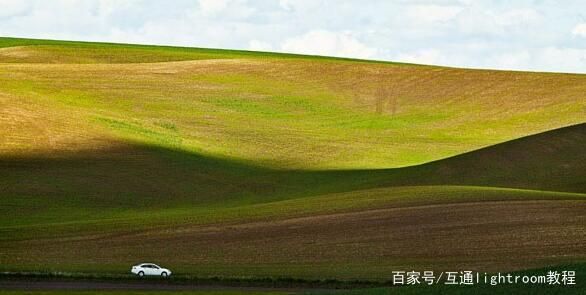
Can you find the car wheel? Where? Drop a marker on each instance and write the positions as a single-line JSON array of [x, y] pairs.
[[141, 274], [164, 274]]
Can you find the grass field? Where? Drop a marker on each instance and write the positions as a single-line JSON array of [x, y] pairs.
[[246, 164], [491, 286], [142, 292]]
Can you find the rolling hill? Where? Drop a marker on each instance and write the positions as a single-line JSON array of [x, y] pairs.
[[259, 164], [273, 110]]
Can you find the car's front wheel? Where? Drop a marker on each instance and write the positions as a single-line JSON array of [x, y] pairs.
[[141, 274], [164, 274]]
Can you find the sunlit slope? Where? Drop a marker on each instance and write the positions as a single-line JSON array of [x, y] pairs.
[[275, 110]]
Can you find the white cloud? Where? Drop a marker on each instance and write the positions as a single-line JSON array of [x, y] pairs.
[[560, 59], [501, 22], [523, 35], [9, 8], [212, 6], [257, 45], [106, 7], [579, 30], [424, 56], [433, 13], [516, 17], [511, 60], [286, 4], [321, 42]]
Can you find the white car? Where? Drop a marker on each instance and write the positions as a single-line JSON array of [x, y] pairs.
[[150, 269]]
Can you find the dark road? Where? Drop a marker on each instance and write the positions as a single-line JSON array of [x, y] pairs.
[[46, 285]]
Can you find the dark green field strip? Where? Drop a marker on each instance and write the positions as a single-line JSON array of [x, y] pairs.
[[119, 284], [206, 292], [117, 220], [334, 286], [103, 52], [47, 281]]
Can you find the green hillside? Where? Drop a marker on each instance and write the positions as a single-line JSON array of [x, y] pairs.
[[272, 110], [262, 164]]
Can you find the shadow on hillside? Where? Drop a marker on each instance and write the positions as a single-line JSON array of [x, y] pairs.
[[134, 176], [554, 160]]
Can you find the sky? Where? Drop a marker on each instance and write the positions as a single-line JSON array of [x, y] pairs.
[[538, 35]]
